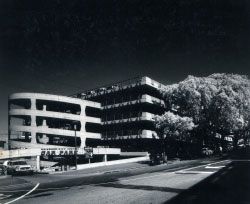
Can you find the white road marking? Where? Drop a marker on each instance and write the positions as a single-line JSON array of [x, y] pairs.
[[12, 201], [201, 166], [196, 172], [214, 167]]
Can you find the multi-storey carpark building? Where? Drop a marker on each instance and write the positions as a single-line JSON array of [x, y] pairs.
[[128, 109], [47, 121]]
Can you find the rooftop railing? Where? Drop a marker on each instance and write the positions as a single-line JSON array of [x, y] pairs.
[[109, 86]]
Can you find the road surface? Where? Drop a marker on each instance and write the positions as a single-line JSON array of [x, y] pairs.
[[162, 184]]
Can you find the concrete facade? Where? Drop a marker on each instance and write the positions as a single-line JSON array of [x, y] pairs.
[[45, 120], [128, 111], [122, 112]]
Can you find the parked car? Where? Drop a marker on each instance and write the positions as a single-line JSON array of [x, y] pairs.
[[18, 167], [51, 169], [157, 158]]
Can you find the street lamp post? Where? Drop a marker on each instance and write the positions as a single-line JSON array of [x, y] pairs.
[[75, 147]]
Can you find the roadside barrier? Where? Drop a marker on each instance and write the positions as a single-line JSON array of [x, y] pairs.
[[121, 161]]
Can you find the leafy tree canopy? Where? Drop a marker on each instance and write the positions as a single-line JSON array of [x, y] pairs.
[[219, 102], [172, 125]]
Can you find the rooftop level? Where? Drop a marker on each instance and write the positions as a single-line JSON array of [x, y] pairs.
[[129, 83]]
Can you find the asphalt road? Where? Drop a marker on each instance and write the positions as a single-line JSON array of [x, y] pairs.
[[176, 183], [230, 186]]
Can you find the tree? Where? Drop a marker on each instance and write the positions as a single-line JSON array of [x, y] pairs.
[[230, 107], [217, 103], [170, 125]]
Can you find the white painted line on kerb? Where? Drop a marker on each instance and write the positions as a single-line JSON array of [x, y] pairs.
[[214, 167], [195, 172], [12, 201]]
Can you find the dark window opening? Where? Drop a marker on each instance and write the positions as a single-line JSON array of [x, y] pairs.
[[113, 133], [20, 120], [58, 140], [93, 112], [20, 136], [59, 123], [93, 127], [57, 106], [20, 104]]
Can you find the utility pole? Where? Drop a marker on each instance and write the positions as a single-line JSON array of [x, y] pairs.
[[75, 126]]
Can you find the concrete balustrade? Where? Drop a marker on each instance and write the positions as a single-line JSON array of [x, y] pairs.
[[144, 99]]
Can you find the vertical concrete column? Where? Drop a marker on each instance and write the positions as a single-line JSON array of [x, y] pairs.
[[83, 107], [33, 132], [83, 126], [83, 141], [44, 107], [33, 120], [33, 104], [105, 158], [33, 137], [44, 122], [38, 163]]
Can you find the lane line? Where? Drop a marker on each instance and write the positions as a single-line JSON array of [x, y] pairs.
[[12, 201]]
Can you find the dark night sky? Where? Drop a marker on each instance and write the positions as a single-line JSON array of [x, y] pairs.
[[62, 47]]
